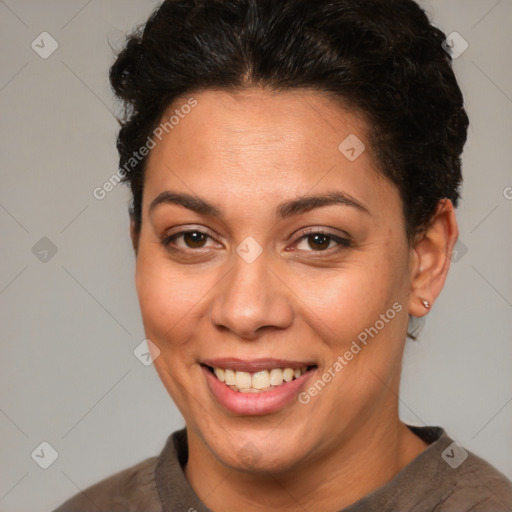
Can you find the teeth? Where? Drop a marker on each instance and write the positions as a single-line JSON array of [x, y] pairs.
[[261, 380], [288, 374], [276, 377], [243, 380], [229, 377], [219, 372], [264, 380]]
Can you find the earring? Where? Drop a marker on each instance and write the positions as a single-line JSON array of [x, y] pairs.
[[426, 303]]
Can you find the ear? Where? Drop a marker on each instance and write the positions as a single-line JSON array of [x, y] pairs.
[[134, 234], [431, 258]]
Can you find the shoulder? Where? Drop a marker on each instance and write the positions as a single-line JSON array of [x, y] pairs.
[[457, 479], [444, 477], [479, 486], [130, 490]]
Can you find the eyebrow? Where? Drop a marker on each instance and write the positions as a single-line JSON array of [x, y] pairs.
[[287, 209]]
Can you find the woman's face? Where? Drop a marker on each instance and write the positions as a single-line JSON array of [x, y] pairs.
[[266, 246]]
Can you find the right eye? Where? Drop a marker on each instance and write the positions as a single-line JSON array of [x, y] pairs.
[[186, 240]]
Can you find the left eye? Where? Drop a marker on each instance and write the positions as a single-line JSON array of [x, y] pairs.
[[321, 241]]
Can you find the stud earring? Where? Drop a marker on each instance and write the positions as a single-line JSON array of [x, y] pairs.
[[426, 303]]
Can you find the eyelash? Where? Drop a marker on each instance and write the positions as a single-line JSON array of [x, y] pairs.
[[343, 243]]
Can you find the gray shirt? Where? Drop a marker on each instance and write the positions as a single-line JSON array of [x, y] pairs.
[[443, 478]]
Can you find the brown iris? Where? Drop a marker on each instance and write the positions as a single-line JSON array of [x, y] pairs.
[[319, 241], [194, 239]]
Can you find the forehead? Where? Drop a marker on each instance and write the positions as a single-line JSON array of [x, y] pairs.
[[267, 142]]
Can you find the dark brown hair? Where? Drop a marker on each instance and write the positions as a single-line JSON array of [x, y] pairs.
[[380, 57]]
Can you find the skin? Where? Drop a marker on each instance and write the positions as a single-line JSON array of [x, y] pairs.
[[246, 153]]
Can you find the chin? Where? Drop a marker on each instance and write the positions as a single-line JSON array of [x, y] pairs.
[[269, 450], [261, 460]]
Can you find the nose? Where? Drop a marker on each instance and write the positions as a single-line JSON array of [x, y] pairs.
[[251, 299]]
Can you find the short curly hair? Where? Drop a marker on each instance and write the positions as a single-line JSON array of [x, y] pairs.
[[382, 58]]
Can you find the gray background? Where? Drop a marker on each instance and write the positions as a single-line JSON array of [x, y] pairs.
[[69, 325]]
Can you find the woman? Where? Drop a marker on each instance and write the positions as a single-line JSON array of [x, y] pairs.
[[294, 167]]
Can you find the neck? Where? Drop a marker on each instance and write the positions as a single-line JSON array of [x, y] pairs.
[[364, 461]]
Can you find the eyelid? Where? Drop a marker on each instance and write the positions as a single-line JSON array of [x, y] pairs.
[[342, 240], [324, 230], [168, 237]]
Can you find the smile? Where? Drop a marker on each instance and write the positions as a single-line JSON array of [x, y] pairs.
[[258, 382], [256, 387]]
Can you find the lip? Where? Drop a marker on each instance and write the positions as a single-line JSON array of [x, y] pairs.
[[255, 404], [255, 365]]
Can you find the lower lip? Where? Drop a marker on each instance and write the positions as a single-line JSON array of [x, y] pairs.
[[255, 404]]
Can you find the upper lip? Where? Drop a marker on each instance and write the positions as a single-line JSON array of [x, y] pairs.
[[255, 365]]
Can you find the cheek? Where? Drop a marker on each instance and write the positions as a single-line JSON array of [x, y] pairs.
[[174, 302], [347, 300], [165, 298]]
